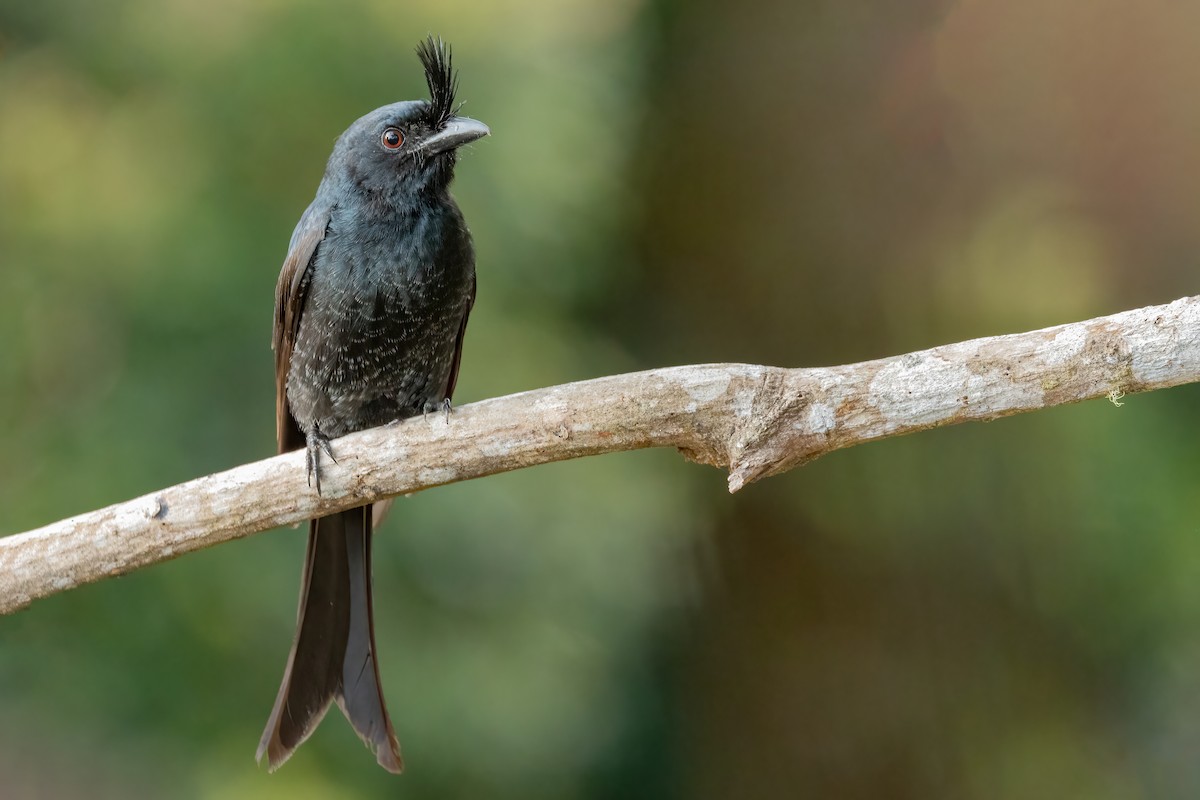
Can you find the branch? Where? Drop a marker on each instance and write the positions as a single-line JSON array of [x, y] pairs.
[[753, 420]]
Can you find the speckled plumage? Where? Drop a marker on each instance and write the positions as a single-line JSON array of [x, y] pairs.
[[387, 294], [370, 311]]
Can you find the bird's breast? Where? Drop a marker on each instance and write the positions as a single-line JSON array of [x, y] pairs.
[[377, 335]]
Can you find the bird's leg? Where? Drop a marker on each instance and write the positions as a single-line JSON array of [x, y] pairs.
[[444, 406], [316, 442]]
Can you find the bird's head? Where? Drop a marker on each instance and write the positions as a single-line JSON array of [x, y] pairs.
[[409, 146]]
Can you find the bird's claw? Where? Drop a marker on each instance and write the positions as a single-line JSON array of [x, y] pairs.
[[316, 444], [445, 406]]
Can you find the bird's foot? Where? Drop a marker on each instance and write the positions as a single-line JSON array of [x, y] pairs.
[[445, 406], [317, 442]]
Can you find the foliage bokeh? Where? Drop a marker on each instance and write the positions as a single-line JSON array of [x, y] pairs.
[[1006, 610]]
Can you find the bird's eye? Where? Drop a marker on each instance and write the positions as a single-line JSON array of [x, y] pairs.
[[392, 139]]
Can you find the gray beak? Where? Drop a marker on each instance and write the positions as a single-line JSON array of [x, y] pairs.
[[455, 133]]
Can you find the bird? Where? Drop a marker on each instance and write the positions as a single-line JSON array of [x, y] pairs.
[[371, 308]]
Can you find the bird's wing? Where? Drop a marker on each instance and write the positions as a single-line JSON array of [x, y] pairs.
[[458, 343], [290, 292]]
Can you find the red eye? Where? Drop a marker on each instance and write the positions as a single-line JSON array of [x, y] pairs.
[[392, 139]]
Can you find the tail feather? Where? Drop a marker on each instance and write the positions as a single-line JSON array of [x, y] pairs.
[[333, 654]]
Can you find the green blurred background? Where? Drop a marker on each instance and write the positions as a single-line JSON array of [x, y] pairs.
[[1008, 610]]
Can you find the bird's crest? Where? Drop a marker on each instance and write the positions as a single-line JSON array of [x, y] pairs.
[[442, 80]]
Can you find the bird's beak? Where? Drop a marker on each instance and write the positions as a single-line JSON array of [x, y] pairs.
[[456, 132]]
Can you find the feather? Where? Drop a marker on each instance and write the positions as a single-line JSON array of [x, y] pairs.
[[440, 75]]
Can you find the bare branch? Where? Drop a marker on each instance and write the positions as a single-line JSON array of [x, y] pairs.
[[753, 420]]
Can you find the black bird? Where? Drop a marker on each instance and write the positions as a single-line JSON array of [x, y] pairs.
[[370, 311]]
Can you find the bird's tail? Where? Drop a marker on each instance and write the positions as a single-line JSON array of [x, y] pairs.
[[333, 654]]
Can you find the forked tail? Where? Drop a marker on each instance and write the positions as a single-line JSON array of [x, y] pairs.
[[333, 654]]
